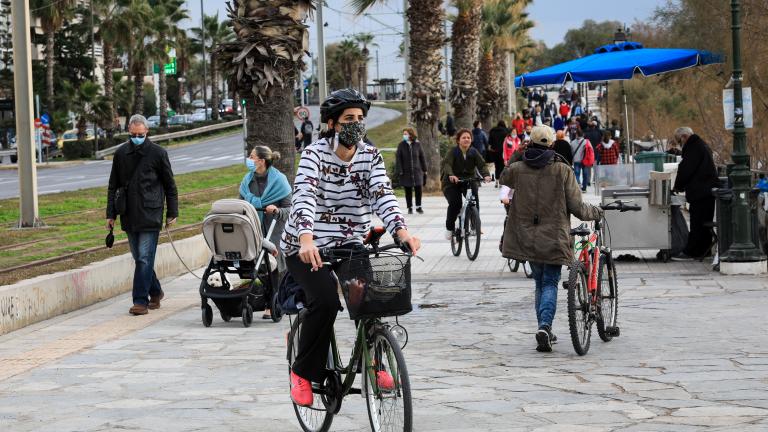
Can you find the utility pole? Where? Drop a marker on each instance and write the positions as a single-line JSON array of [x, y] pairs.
[[93, 47], [447, 86], [22, 86], [407, 53], [511, 99], [205, 84], [322, 84], [743, 256]]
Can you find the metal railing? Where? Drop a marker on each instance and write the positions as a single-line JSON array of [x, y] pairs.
[[175, 135]]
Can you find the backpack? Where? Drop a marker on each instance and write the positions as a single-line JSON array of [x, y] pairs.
[[290, 295]]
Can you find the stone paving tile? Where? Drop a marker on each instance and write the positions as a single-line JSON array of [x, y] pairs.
[[693, 355]]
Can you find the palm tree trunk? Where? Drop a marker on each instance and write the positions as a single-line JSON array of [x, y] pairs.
[[487, 95], [109, 89], [501, 64], [49, 56], [138, 87], [465, 40], [271, 124], [425, 57], [214, 89]]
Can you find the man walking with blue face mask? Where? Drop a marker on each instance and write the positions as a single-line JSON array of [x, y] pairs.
[[141, 179]]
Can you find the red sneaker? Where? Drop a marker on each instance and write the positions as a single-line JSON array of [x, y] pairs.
[[301, 391], [385, 381]]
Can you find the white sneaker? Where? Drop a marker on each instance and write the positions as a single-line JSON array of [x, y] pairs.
[[448, 234]]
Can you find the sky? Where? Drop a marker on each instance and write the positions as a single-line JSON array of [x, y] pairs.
[[553, 19]]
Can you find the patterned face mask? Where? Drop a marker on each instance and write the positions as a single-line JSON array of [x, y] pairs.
[[351, 133]]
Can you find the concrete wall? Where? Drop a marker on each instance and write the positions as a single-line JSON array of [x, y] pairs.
[[44, 297]]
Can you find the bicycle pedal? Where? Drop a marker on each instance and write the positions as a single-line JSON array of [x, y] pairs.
[[612, 331]]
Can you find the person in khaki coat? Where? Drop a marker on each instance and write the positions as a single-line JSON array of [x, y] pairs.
[[538, 228]]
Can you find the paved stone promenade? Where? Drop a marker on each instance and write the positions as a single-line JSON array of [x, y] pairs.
[[693, 355]]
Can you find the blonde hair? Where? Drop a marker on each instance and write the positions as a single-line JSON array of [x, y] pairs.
[[266, 153]]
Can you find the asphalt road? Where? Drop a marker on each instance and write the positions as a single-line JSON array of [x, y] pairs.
[[207, 154]]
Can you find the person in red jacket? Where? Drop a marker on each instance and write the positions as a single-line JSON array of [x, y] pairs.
[[587, 163], [608, 150], [564, 110], [518, 124]]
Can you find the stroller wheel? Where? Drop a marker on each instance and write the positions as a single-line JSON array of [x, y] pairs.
[[276, 311], [207, 315], [247, 315], [225, 317]]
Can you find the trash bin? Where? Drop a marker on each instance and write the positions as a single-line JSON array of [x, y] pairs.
[[724, 216], [658, 159]]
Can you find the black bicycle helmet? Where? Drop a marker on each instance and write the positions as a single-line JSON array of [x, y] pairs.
[[340, 100]]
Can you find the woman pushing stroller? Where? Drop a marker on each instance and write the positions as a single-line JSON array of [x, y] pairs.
[[266, 187]]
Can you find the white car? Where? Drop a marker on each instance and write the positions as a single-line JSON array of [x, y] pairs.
[[199, 115], [154, 121], [198, 103]]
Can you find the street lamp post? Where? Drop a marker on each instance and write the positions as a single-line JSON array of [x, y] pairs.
[[205, 72], [743, 249]]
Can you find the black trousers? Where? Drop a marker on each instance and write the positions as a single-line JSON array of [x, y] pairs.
[[499, 165], [322, 303], [453, 194], [409, 196], [700, 238]]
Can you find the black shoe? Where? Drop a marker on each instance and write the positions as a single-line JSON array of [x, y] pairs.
[[682, 256], [583, 189], [419, 210], [410, 210], [544, 344]]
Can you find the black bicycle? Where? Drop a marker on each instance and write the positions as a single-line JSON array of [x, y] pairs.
[[468, 231], [376, 283]]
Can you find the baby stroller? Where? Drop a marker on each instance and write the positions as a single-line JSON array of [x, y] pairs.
[[233, 232]]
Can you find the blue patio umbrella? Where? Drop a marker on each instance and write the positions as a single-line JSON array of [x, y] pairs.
[[619, 62]]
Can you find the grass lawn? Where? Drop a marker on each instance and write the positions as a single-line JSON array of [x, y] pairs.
[[76, 219]]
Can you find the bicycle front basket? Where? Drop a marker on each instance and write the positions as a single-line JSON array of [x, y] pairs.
[[376, 286]]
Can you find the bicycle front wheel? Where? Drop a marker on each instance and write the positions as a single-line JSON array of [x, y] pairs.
[[607, 297], [513, 264], [456, 242], [472, 233], [387, 387], [579, 320], [315, 418]]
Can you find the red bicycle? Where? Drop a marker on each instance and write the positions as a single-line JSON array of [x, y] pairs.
[[593, 291]]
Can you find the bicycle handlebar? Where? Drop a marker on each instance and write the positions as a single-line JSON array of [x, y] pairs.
[[340, 253], [621, 206]]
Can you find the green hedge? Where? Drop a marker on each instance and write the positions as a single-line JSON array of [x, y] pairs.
[[78, 150]]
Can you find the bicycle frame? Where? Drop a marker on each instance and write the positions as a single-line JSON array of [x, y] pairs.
[[335, 363], [590, 245]]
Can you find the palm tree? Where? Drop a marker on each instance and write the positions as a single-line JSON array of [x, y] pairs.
[[262, 64], [366, 40], [168, 14], [427, 38], [114, 24], [216, 33], [349, 57], [465, 40], [52, 17], [139, 15], [505, 25]]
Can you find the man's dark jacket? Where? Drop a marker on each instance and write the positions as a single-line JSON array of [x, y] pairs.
[[152, 185], [696, 174], [496, 138], [479, 140]]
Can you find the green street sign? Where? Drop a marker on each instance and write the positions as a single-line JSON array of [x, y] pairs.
[[170, 68]]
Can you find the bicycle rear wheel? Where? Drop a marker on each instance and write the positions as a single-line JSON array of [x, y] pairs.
[[513, 265], [607, 297], [389, 409], [472, 233], [316, 418], [456, 242], [527, 269], [579, 321]]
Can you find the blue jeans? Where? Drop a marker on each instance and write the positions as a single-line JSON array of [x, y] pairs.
[[143, 247], [547, 277], [585, 172]]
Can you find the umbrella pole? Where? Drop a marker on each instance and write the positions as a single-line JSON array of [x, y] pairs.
[[630, 146]]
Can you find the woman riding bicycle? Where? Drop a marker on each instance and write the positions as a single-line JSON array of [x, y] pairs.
[[461, 162], [341, 181]]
